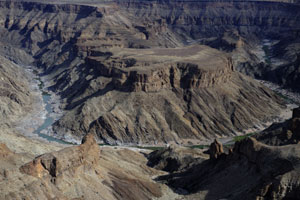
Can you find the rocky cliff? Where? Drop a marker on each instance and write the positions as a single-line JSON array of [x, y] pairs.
[[95, 57], [251, 170], [163, 95], [15, 94], [79, 172], [282, 133]]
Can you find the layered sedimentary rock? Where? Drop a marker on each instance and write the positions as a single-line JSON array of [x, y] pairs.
[[215, 150], [175, 158], [284, 133], [78, 172], [15, 96], [251, 171], [82, 49], [163, 95]]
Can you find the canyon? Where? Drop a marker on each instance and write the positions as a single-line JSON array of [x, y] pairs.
[[96, 57], [174, 75]]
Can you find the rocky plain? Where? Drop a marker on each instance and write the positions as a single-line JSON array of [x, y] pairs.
[[130, 99]]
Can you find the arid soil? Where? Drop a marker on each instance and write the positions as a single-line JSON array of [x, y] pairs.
[[149, 73]]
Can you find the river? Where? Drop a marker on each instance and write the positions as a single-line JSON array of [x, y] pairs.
[[47, 122], [46, 111], [38, 123]]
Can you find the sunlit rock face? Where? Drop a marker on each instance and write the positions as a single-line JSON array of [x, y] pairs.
[[113, 65], [78, 172], [251, 170], [150, 72]]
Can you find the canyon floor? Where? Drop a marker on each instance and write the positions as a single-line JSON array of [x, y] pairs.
[[149, 99]]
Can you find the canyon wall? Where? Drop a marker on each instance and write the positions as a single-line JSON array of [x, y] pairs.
[[94, 56]]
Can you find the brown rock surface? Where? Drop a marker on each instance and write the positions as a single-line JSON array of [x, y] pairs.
[[113, 65], [252, 171], [4, 151], [15, 96], [215, 149], [80, 172], [284, 133], [175, 158], [55, 163], [171, 94], [123, 82]]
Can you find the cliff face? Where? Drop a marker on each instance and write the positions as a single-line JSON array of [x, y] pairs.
[[251, 170], [204, 17], [282, 133], [164, 69], [163, 95], [140, 72], [15, 95], [95, 56], [78, 172], [236, 27]]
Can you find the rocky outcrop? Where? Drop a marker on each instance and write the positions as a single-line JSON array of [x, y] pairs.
[[78, 172], [155, 72], [284, 133], [215, 149], [165, 115], [175, 158], [15, 95], [159, 94], [55, 164], [252, 171], [123, 83]]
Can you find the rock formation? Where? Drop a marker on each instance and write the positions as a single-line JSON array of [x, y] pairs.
[[155, 98], [284, 133], [175, 158], [146, 72], [78, 172], [110, 77], [15, 95], [55, 164], [215, 149], [252, 171]]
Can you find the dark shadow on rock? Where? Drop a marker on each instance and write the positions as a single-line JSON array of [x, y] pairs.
[[243, 174]]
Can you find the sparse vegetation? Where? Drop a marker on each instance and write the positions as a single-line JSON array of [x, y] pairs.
[[153, 148], [199, 146], [242, 137]]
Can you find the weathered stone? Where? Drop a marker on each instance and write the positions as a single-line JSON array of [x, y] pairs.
[[253, 171], [215, 149]]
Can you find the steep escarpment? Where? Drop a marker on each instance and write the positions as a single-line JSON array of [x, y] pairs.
[[188, 68], [78, 172], [165, 97], [95, 57], [15, 95], [237, 27], [282, 133], [175, 158], [251, 170]]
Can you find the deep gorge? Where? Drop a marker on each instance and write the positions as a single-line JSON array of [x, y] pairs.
[[63, 39]]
